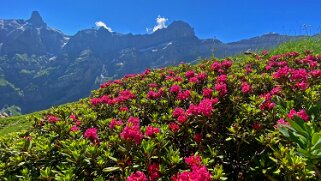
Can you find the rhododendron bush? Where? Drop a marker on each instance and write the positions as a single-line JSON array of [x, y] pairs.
[[249, 118]]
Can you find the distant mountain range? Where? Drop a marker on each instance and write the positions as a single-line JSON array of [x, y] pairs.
[[41, 66]]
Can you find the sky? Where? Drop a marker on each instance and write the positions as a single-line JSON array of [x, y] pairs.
[[226, 20]]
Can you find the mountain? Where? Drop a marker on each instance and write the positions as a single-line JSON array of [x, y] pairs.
[[41, 66]]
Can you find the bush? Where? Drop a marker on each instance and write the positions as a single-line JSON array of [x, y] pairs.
[[216, 120]]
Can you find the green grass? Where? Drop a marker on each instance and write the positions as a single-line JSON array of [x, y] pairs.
[[16, 123]]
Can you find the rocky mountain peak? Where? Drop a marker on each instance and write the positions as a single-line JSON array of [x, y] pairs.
[[36, 20]]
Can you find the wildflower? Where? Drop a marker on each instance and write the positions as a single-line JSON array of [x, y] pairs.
[[198, 137], [72, 116], [201, 76], [193, 160], [123, 109], [137, 176], [173, 127], [302, 85], [227, 63], [222, 88], [216, 66], [181, 119], [193, 80], [265, 52], [189, 74], [303, 115], [74, 128], [91, 134], [207, 92], [281, 122], [151, 131], [153, 171], [245, 87], [256, 126], [178, 112], [52, 119], [175, 89], [114, 123], [184, 95]]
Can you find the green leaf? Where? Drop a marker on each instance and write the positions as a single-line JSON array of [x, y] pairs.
[[113, 158], [298, 126], [315, 138], [110, 169]]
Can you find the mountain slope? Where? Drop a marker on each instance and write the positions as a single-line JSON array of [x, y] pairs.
[[221, 119], [40, 66]]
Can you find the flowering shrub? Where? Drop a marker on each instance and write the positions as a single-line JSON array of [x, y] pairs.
[[216, 120]]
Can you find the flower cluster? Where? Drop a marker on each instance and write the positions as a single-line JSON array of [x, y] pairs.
[[132, 131]]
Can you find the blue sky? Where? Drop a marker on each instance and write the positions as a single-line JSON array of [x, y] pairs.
[[227, 20]]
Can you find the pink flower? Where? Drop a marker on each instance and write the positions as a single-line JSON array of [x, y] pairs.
[[178, 112], [174, 127], [222, 88], [91, 134], [221, 79], [265, 52], [74, 128], [201, 76], [181, 119], [193, 80], [175, 89], [152, 85], [227, 63], [207, 92], [245, 87], [303, 115], [114, 123], [72, 116], [193, 160], [123, 109], [216, 66], [281, 72], [300, 74], [184, 95], [281, 122], [132, 131], [153, 171], [248, 68], [52, 119], [198, 137], [151, 131], [152, 95], [302, 85], [137, 176], [189, 74], [205, 107]]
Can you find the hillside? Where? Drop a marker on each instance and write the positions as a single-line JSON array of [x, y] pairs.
[[243, 118], [41, 66]]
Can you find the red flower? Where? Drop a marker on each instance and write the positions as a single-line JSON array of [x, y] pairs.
[[302, 85], [281, 122], [73, 117], [227, 63], [181, 119], [245, 87], [52, 119], [91, 134], [198, 137], [178, 112], [256, 126], [132, 131], [74, 128], [189, 74], [153, 171], [123, 108], [114, 123], [184, 95], [193, 160], [173, 127], [175, 89], [265, 52], [151, 131], [216, 66], [207, 92], [193, 80], [137, 176], [222, 88], [303, 115]]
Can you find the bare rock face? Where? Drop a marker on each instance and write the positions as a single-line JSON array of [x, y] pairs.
[[30, 36]]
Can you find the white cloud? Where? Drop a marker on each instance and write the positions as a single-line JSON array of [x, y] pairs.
[[161, 23], [102, 24]]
